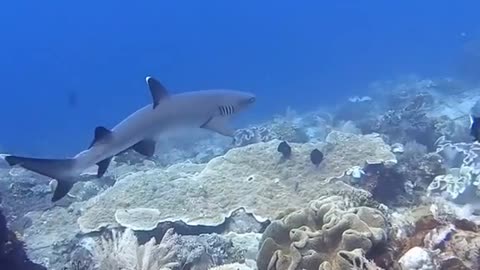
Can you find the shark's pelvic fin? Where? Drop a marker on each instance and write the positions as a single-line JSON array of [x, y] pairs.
[[103, 166], [157, 90], [145, 147], [101, 134], [219, 124], [63, 187]]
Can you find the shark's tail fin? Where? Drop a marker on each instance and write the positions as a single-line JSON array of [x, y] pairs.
[[58, 169]]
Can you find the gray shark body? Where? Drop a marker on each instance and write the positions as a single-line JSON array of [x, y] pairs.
[[209, 109]]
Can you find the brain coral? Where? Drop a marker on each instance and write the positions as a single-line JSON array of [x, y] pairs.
[[251, 177], [326, 235]]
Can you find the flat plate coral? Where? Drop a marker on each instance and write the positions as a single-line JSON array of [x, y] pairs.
[[250, 177]]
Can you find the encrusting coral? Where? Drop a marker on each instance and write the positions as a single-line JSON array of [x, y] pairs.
[[205, 194], [326, 235]]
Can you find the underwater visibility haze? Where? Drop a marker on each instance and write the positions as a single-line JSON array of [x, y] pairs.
[[267, 135]]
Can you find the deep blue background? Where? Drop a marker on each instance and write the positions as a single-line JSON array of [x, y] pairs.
[[298, 53]]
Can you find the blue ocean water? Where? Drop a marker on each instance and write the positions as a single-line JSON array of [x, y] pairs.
[[67, 67]]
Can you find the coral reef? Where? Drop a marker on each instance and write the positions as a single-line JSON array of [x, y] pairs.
[[279, 128], [328, 234], [122, 251], [463, 160], [440, 235], [14, 187], [206, 194], [409, 122], [397, 188], [12, 253]]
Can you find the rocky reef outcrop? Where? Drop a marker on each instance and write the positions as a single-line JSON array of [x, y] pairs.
[[12, 253]]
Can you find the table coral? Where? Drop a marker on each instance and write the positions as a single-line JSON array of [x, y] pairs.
[[206, 194]]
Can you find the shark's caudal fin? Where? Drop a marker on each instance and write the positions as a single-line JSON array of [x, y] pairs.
[[58, 169]]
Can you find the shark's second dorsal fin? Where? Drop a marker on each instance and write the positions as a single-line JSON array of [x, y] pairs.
[[157, 90], [101, 133]]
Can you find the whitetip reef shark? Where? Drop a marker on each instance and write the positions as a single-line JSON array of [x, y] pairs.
[[208, 109]]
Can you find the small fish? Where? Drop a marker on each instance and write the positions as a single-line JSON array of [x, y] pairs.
[[475, 128], [285, 149], [316, 156]]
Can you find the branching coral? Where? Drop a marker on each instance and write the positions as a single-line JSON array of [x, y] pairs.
[[327, 233], [122, 251]]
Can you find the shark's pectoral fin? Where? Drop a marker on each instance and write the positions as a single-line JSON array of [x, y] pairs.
[[63, 187], [157, 90], [219, 125], [101, 134], [145, 147], [103, 166]]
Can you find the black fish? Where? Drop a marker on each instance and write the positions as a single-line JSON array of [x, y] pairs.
[[475, 128], [316, 157], [285, 149]]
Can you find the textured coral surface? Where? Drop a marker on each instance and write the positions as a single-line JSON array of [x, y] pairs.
[[253, 177], [328, 234]]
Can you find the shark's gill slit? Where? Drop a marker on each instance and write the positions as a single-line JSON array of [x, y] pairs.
[[222, 110]]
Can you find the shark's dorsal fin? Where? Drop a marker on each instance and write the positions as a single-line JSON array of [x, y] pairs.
[[219, 125], [101, 133], [145, 147], [157, 90]]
